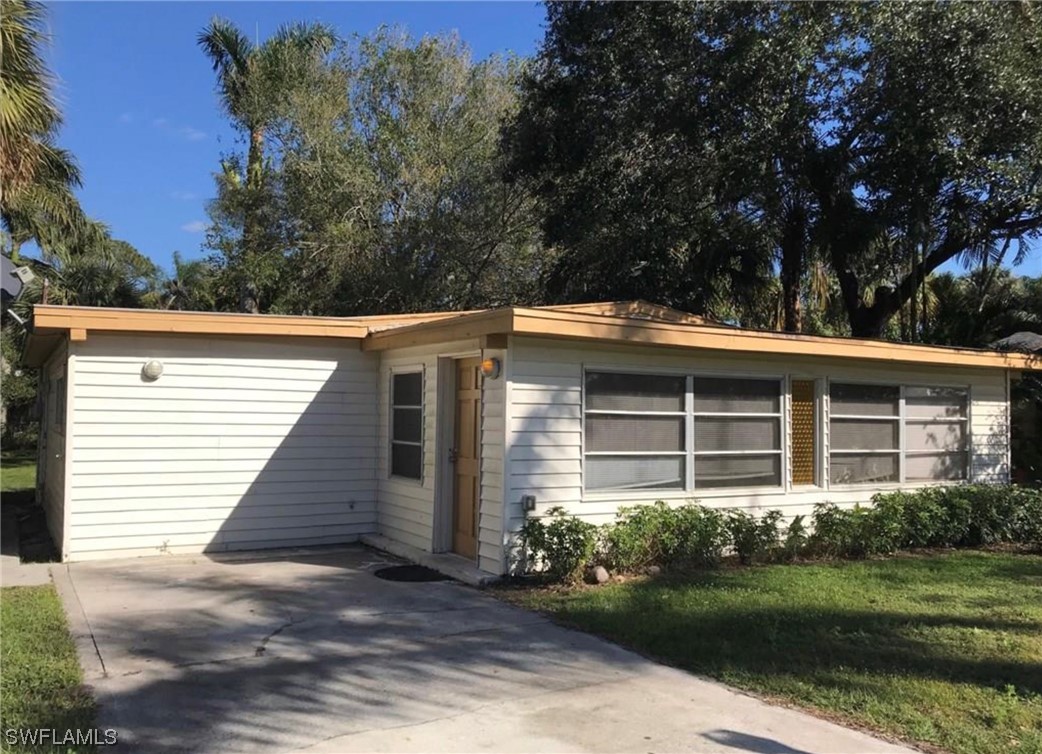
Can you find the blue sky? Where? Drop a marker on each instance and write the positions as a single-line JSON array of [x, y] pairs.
[[141, 114], [142, 117]]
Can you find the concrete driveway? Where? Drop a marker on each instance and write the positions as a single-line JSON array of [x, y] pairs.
[[311, 652]]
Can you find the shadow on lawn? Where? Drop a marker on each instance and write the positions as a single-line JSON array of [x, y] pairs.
[[776, 637]]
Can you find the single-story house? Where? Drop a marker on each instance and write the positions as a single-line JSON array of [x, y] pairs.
[[186, 432]]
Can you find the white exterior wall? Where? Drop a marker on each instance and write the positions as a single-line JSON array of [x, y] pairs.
[[545, 433], [416, 512], [242, 443]]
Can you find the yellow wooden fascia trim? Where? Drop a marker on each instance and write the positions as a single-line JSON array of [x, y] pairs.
[[549, 323], [490, 322], [55, 318]]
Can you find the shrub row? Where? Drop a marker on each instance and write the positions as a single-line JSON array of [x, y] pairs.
[[689, 536]]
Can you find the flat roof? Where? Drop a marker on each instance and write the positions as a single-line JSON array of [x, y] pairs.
[[620, 322]]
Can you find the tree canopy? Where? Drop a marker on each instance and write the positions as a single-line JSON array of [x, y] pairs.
[[383, 186], [696, 149]]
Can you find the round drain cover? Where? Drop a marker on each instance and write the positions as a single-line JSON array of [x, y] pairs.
[[415, 573]]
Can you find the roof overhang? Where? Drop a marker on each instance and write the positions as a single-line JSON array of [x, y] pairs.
[[633, 323], [604, 328], [50, 324]]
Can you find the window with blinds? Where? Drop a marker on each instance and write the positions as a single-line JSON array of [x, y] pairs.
[[737, 428], [889, 433], [635, 431], [680, 432]]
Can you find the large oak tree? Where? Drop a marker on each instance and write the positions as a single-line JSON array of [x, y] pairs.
[[686, 150]]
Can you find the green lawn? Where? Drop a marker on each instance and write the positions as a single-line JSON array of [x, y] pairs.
[[942, 650], [41, 677], [17, 471]]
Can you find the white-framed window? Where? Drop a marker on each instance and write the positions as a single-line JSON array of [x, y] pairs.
[[864, 433], [894, 433], [407, 424], [738, 432], [680, 432], [635, 427]]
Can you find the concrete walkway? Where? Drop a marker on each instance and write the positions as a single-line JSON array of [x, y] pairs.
[[312, 653]]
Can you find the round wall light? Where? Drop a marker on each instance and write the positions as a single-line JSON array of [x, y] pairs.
[[490, 368], [152, 370]]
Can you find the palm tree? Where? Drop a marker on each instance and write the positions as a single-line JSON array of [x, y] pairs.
[[251, 79], [36, 193], [105, 273], [191, 287]]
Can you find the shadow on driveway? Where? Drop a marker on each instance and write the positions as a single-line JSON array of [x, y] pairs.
[[311, 652]]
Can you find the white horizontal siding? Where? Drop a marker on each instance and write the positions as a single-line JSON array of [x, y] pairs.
[[242, 443], [493, 437], [545, 453], [407, 508]]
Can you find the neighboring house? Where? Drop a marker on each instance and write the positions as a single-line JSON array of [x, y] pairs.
[[197, 432]]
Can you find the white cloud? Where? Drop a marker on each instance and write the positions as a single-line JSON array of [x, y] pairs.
[[189, 133], [183, 196], [192, 134], [196, 226]]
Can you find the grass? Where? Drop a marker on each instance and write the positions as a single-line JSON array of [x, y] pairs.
[[941, 650], [41, 684], [17, 471]]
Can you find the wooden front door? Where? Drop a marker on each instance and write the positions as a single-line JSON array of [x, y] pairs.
[[466, 457]]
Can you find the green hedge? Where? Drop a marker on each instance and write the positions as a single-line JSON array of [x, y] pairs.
[[560, 546]]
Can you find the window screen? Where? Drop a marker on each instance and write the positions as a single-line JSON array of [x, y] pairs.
[[737, 428], [407, 425], [637, 428], [936, 434], [634, 431], [885, 433]]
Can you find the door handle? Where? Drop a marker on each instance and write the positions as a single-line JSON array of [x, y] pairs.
[[453, 455]]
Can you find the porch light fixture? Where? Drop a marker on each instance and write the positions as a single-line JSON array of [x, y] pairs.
[[152, 370], [490, 368]]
